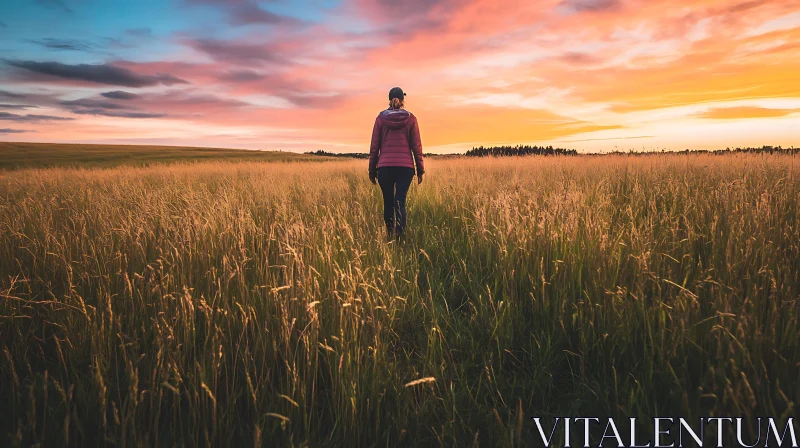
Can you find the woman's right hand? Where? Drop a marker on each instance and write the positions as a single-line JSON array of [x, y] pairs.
[[419, 178]]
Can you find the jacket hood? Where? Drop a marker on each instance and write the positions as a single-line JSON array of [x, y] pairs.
[[394, 118]]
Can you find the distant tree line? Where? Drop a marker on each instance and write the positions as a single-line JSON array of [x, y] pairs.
[[747, 150], [761, 150], [363, 155], [525, 150], [354, 155], [519, 150]]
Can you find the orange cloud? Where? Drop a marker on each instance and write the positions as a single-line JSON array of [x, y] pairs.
[[734, 113]]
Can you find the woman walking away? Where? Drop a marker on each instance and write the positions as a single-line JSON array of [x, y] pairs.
[[395, 151]]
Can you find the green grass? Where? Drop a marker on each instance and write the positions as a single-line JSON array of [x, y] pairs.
[[258, 304], [40, 155]]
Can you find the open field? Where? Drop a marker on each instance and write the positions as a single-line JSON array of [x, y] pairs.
[[241, 304], [39, 155]]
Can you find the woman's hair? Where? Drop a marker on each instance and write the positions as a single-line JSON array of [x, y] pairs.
[[396, 103]]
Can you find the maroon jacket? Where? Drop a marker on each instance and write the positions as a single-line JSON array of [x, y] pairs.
[[395, 141]]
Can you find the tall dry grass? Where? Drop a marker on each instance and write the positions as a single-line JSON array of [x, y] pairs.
[[258, 304]]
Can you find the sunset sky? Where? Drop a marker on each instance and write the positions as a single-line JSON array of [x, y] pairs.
[[313, 74]]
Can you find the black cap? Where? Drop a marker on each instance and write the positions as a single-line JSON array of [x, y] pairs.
[[396, 92]]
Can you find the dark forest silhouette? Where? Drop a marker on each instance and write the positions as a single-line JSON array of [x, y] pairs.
[[525, 150], [519, 150], [354, 155]]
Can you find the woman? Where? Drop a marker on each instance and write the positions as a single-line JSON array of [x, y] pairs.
[[395, 151]]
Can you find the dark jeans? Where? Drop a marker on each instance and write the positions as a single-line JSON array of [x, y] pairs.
[[394, 182]]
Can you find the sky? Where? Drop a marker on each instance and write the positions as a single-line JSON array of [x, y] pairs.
[[595, 75]]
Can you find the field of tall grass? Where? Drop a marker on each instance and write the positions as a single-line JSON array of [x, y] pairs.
[[20, 155], [258, 304]]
